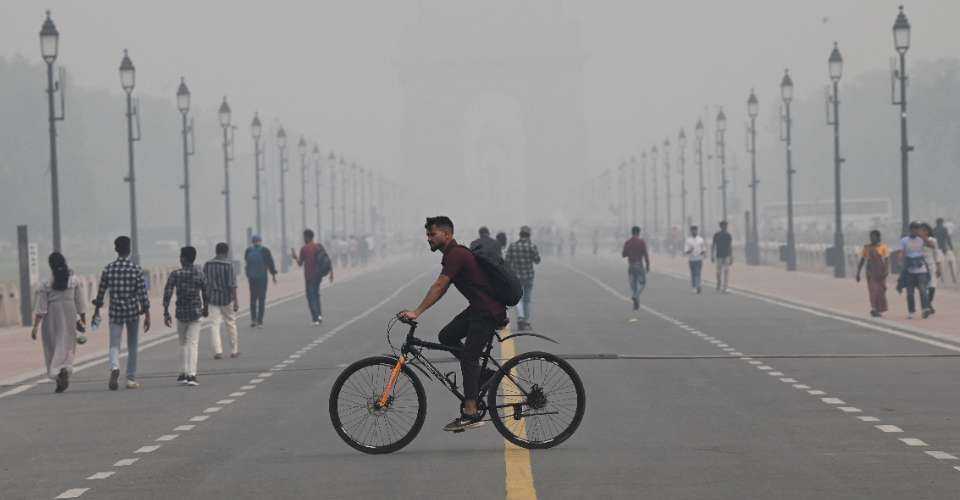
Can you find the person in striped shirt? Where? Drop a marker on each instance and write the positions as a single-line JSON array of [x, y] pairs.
[[222, 296]]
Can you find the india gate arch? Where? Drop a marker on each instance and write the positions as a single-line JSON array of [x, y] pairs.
[[493, 110]]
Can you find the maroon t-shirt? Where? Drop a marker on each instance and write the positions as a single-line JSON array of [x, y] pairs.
[[308, 258], [635, 250], [461, 267]]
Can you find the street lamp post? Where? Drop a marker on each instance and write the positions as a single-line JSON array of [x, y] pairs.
[[901, 42], [372, 228], [49, 47], [682, 143], [698, 133], [622, 195], [128, 80], [666, 175], [317, 174], [332, 167], [353, 203], [344, 179], [224, 115], [363, 201], [656, 194], [183, 104], [302, 148], [282, 147], [643, 183], [786, 93], [835, 64], [633, 191], [753, 243], [722, 153], [256, 129]]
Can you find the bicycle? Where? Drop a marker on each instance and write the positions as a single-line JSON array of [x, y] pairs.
[[377, 405]]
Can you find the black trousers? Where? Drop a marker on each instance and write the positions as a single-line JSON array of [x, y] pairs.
[[258, 298], [477, 329]]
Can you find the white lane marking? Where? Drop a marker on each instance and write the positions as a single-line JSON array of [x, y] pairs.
[[724, 346], [256, 380], [184, 428], [225, 401], [275, 369], [265, 375], [212, 409], [746, 358], [736, 353], [126, 462], [236, 394], [295, 356], [801, 386], [102, 475], [913, 442], [73, 493], [941, 455], [248, 388], [775, 374], [869, 419], [148, 449], [168, 437], [832, 401], [764, 368], [728, 349], [754, 362], [849, 409], [888, 428], [956, 467], [199, 418], [18, 390], [788, 380], [816, 392]]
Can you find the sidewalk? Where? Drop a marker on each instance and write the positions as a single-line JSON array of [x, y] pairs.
[[22, 359], [843, 297]]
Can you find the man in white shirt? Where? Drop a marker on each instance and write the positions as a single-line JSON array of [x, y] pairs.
[[695, 249]]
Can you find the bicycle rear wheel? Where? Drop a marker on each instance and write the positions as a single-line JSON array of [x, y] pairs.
[[537, 401], [358, 417]]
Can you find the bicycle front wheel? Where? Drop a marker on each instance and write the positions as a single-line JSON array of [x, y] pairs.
[[537, 400], [360, 419]]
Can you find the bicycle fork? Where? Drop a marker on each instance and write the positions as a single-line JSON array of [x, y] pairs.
[[394, 375]]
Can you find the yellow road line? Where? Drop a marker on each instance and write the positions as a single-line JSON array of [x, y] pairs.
[[519, 471]]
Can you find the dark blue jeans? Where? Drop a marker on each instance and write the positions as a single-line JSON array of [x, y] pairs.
[[313, 297], [258, 298]]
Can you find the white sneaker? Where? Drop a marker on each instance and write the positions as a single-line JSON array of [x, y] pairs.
[[910, 316]]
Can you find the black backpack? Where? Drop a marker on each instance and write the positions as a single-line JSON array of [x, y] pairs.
[[505, 288], [324, 266]]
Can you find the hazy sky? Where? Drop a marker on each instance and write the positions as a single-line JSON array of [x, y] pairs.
[[325, 67]]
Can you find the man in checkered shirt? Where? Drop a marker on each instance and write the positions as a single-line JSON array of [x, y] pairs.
[[191, 286], [521, 256], [128, 300]]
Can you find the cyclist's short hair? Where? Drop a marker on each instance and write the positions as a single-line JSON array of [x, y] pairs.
[[439, 222]]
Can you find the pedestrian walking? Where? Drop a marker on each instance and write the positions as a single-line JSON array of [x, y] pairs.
[[190, 284], [222, 296], [573, 244], [696, 250], [486, 245], [945, 244], [876, 256], [721, 252], [638, 264], [259, 263], [316, 264], [502, 241], [128, 301], [934, 260], [57, 304], [521, 256], [915, 275]]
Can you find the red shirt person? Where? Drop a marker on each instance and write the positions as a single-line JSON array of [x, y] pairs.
[[638, 264], [308, 259]]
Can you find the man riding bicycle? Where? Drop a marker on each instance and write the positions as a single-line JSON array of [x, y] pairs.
[[476, 323]]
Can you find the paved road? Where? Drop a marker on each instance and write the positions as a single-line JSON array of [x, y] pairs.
[[709, 397]]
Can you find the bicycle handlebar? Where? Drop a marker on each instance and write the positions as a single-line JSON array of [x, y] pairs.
[[404, 320]]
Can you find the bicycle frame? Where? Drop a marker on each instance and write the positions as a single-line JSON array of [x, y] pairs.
[[411, 353]]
